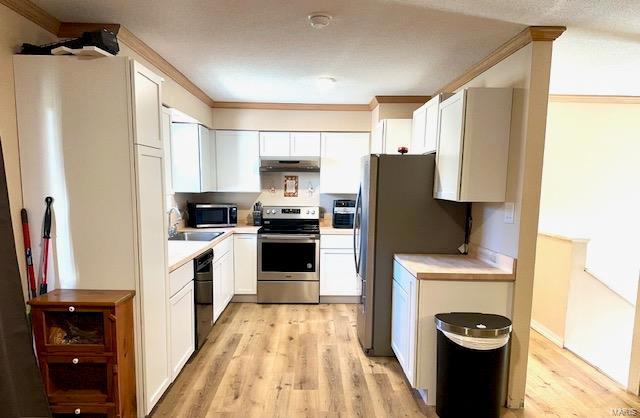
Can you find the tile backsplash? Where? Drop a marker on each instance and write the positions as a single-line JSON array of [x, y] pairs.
[[271, 194]]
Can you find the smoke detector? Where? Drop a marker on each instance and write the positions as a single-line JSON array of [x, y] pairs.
[[319, 20]]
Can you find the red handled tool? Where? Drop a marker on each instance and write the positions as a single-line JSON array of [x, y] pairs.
[[31, 277], [46, 237]]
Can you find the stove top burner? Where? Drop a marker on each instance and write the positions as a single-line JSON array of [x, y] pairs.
[[290, 220]]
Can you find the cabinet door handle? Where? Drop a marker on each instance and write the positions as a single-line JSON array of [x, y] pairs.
[[77, 411], [75, 361], [72, 309]]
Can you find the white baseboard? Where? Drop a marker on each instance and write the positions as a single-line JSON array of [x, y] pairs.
[[425, 397], [547, 333]]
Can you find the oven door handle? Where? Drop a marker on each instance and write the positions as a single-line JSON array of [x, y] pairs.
[[277, 237]]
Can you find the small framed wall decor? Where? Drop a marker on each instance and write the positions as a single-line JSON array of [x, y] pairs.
[[290, 186]]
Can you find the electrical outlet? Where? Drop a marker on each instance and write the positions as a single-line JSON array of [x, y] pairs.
[[509, 212]]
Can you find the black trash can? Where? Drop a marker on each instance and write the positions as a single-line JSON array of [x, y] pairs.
[[473, 354]]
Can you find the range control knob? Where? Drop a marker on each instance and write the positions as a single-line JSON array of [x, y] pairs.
[[308, 211], [313, 212]]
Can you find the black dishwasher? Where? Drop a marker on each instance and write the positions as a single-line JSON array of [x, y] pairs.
[[203, 284]]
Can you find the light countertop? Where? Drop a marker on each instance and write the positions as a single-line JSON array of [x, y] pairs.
[[457, 267], [182, 252]]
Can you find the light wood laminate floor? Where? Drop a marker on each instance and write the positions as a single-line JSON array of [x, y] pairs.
[[305, 361]]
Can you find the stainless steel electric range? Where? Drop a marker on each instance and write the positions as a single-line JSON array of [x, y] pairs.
[[289, 255]]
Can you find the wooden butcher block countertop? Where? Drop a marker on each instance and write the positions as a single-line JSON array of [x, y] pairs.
[[458, 267]]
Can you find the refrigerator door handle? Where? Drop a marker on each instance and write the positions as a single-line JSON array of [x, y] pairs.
[[356, 225]]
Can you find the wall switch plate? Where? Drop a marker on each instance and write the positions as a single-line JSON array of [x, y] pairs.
[[509, 212]]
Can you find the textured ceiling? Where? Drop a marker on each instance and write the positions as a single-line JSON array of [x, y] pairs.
[[265, 51]]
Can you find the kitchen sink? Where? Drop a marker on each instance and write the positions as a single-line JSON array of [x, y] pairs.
[[195, 236]]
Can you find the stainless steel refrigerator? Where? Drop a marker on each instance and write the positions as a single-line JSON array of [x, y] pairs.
[[396, 213]]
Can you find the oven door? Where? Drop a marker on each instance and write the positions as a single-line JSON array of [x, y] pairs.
[[288, 257]]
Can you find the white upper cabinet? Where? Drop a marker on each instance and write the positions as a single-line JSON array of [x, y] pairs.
[[305, 144], [274, 144], [238, 161], [185, 157], [193, 158], [147, 90], [208, 172], [340, 161], [391, 134], [166, 146], [424, 129], [289, 144], [473, 146]]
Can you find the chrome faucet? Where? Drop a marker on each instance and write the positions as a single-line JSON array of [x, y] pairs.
[[173, 229]]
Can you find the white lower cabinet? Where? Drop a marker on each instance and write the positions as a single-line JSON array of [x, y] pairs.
[[217, 290], [227, 278], [154, 328], [414, 306], [182, 325], [245, 247], [404, 322], [223, 277], [338, 275]]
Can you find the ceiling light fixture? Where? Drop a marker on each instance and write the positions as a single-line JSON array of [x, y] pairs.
[[319, 20]]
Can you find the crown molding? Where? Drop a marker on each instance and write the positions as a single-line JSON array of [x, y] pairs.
[[583, 98], [377, 100], [74, 30], [292, 106], [545, 33], [149, 54], [71, 29], [524, 38]]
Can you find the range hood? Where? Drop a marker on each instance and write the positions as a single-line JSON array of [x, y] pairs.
[[307, 165]]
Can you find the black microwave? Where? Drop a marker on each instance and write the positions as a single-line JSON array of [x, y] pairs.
[[211, 215]]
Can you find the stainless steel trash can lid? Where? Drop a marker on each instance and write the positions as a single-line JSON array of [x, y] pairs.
[[473, 324]]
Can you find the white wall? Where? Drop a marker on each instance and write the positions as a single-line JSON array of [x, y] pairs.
[[590, 186], [292, 120], [14, 30]]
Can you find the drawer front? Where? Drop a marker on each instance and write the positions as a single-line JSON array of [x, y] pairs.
[[180, 277], [81, 379], [71, 329], [336, 241], [402, 276], [222, 248], [83, 411]]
